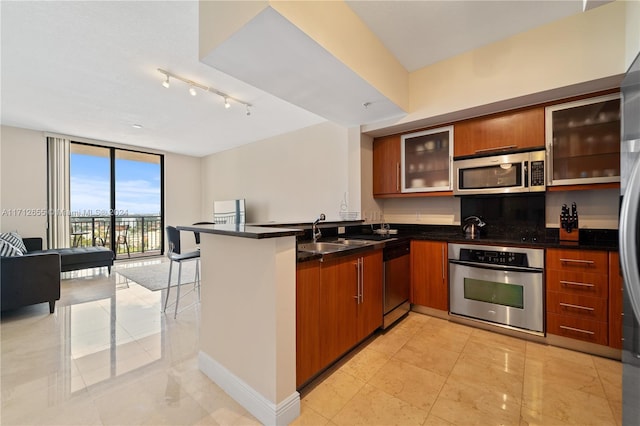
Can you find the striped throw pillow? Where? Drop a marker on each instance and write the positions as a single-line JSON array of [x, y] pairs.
[[7, 249], [14, 239]]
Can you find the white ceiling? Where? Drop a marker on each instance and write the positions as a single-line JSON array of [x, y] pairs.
[[89, 69]]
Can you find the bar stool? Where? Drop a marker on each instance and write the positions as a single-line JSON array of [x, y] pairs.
[[175, 255]]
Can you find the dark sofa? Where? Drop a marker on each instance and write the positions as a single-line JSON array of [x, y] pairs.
[[35, 277]]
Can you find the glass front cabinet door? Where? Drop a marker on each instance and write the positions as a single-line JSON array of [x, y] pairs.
[[426, 160], [583, 141]]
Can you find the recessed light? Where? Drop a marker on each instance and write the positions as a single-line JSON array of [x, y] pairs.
[[137, 126]]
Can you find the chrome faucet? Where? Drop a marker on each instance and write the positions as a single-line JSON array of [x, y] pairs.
[[314, 229]]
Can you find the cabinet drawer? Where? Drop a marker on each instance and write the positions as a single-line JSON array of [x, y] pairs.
[[578, 260], [577, 328], [594, 308], [578, 283]]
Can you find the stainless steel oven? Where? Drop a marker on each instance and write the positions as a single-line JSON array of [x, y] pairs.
[[499, 174], [499, 285]]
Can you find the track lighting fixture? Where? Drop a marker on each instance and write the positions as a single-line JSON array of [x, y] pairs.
[[193, 85]]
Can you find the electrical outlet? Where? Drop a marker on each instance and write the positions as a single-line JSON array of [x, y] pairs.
[[341, 230]]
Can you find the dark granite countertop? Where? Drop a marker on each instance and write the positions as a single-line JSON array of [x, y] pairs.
[[243, 231], [590, 239]]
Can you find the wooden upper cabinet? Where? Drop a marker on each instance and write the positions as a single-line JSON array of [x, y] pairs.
[[583, 142], [505, 131], [386, 165]]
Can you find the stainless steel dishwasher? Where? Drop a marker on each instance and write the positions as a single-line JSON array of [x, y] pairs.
[[396, 283]]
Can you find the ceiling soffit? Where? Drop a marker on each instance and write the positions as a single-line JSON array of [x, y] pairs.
[[274, 55]]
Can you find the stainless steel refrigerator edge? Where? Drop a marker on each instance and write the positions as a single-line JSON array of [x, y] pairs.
[[629, 232]]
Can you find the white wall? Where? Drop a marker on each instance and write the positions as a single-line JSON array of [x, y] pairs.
[[288, 178], [182, 193], [371, 207], [581, 48], [23, 181], [597, 209], [632, 36], [423, 210]]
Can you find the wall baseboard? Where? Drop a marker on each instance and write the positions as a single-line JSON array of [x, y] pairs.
[[264, 410]]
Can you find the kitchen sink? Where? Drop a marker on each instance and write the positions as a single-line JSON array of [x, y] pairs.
[[356, 243], [322, 247], [333, 246]]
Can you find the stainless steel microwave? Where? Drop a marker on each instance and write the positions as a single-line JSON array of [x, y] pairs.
[[500, 174]]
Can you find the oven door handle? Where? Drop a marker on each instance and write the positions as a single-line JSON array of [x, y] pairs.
[[497, 267]]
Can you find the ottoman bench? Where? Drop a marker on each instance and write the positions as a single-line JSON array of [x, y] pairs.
[[76, 258]]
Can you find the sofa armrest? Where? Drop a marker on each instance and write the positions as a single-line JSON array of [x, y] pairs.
[[30, 279], [32, 244]]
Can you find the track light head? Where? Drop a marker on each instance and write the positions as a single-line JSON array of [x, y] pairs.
[[193, 85]]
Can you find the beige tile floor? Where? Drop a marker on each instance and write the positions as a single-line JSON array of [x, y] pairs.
[[428, 371], [107, 356]]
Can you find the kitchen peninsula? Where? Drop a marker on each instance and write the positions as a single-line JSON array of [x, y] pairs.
[[248, 316]]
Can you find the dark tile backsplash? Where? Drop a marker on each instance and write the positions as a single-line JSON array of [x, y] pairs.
[[517, 217]]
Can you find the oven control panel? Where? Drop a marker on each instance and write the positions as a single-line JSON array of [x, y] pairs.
[[494, 257]]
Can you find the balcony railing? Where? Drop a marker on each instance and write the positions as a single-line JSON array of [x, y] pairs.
[[134, 235]]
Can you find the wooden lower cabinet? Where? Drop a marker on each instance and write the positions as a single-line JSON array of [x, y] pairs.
[[577, 328], [307, 320], [616, 287], [369, 317], [338, 307], [593, 308], [430, 274], [584, 295], [339, 303]]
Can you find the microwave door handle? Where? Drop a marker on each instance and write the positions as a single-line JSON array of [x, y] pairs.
[[525, 171]]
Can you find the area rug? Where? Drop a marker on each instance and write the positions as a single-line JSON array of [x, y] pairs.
[[154, 277]]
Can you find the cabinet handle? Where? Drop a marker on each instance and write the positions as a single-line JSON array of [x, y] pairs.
[[549, 165], [568, 305], [587, 262], [361, 280], [564, 327], [575, 283], [398, 177], [357, 296], [499, 148]]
